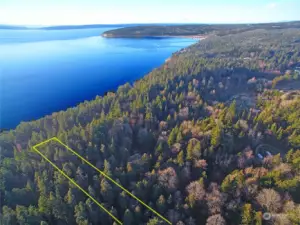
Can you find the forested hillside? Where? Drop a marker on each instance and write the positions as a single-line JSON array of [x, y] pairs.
[[211, 137], [194, 29]]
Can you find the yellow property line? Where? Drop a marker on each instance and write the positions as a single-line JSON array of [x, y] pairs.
[[73, 182], [101, 172]]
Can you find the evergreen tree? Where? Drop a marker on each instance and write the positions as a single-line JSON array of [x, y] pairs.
[[128, 218]]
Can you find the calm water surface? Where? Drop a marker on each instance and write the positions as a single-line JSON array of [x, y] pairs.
[[46, 71]]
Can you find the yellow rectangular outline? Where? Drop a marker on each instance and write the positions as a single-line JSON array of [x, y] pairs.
[[101, 172], [73, 182]]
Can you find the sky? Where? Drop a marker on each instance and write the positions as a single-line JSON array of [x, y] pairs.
[[71, 12]]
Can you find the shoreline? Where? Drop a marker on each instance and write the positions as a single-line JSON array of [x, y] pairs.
[[196, 37]]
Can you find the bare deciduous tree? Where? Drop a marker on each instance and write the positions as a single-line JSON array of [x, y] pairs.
[[269, 199], [196, 192], [180, 223], [215, 220], [280, 219], [215, 199], [168, 178]]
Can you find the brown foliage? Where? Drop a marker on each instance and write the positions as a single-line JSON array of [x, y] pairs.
[[196, 192], [168, 178], [215, 199], [200, 164], [215, 220], [269, 199]]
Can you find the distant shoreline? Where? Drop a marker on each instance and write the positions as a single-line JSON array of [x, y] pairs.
[[197, 37]]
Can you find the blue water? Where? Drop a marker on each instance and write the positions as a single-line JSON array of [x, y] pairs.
[[46, 71]]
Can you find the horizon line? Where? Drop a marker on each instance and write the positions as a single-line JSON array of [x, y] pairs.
[[133, 23]]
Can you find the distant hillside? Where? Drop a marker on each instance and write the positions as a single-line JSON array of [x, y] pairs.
[[86, 26], [89, 26], [67, 27], [194, 29], [10, 27]]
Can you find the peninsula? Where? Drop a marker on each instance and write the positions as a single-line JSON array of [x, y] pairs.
[[198, 31]]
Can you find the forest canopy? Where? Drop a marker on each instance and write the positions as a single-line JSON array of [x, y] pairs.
[[210, 137]]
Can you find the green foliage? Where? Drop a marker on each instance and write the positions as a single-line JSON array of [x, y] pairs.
[[193, 150], [294, 215], [247, 215], [258, 218], [216, 136], [172, 137], [180, 158], [155, 221]]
